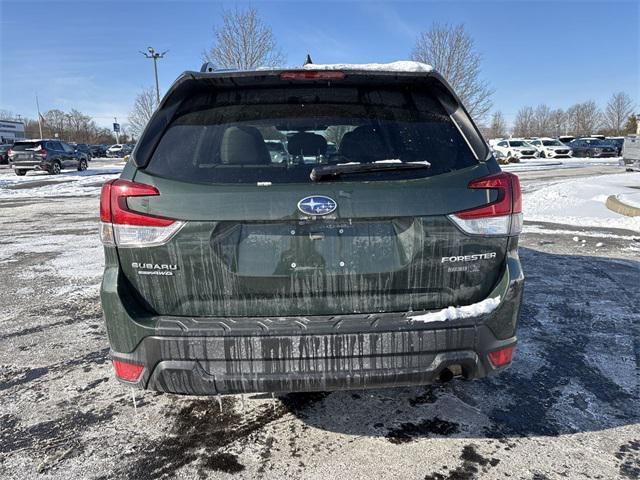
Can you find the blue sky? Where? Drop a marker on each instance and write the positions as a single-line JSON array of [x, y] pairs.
[[85, 54]]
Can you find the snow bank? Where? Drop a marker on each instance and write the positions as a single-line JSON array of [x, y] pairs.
[[69, 183], [527, 164], [454, 313], [581, 202], [400, 66]]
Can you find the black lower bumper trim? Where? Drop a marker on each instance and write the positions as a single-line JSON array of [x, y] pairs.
[[227, 365]]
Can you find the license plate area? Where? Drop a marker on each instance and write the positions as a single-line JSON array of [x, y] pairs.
[[312, 247]]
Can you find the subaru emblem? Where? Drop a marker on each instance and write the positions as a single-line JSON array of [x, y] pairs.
[[317, 205]]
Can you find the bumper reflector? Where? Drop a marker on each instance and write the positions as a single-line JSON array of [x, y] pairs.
[[499, 358], [129, 372]]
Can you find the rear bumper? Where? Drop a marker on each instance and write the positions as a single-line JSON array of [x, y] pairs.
[[30, 165], [211, 365], [218, 355]]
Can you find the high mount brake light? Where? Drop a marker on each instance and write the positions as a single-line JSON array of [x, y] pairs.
[[312, 75], [125, 228], [500, 217]]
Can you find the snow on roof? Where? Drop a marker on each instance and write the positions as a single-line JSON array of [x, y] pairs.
[[400, 66]]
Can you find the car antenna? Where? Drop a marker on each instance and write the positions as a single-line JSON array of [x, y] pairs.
[[307, 61]]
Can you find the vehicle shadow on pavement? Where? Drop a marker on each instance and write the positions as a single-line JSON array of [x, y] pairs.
[[575, 368]]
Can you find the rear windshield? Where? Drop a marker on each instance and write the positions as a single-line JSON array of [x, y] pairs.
[[226, 137], [22, 146]]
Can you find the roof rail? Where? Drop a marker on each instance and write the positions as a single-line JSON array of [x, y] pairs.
[[207, 67]]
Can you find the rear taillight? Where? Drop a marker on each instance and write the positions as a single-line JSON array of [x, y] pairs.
[[312, 75], [127, 371], [122, 227], [9, 152], [499, 358], [500, 217], [41, 153]]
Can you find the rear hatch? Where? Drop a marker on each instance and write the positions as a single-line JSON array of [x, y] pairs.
[[28, 152], [366, 229]]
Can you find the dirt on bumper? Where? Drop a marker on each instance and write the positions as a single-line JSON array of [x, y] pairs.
[[211, 356]]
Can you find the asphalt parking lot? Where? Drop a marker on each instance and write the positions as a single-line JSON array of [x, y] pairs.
[[569, 407]]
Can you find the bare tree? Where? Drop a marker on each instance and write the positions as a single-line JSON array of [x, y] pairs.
[[243, 41], [80, 127], [451, 51], [55, 123], [7, 115], [617, 112], [498, 127], [543, 126], [584, 118], [558, 119], [525, 122], [143, 107]]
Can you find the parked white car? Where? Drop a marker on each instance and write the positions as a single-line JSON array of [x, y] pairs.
[[277, 151], [516, 148], [115, 150], [551, 148]]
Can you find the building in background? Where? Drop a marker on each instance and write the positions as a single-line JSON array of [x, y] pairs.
[[11, 131]]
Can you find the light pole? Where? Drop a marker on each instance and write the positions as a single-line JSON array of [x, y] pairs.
[[155, 56], [116, 129]]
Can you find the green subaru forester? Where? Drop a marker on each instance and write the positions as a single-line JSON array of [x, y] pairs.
[[388, 259]]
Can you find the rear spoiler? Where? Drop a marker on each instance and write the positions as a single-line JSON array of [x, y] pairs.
[[191, 82]]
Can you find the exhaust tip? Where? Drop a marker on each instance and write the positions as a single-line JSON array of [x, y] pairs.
[[451, 372], [446, 375]]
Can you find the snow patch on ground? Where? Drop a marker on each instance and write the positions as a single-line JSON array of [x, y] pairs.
[[68, 184], [400, 66], [581, 202], [454, 313], [582, 233], [533, 164]]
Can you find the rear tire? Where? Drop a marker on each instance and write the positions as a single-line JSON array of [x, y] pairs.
[[55, 168], [20, 173], [82, 165]]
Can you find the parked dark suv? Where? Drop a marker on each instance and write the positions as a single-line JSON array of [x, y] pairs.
[[4, 153], [98, 150], [45, 155], [393, 262], [84, 148], [592, 147]]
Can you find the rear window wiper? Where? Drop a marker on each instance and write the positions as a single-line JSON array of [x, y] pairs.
[[331, 171]]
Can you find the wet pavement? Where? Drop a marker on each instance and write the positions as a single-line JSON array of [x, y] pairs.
[[569, 407]]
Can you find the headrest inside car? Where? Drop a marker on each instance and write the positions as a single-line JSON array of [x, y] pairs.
[[243, 146], [364, 144], [307, 144]]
